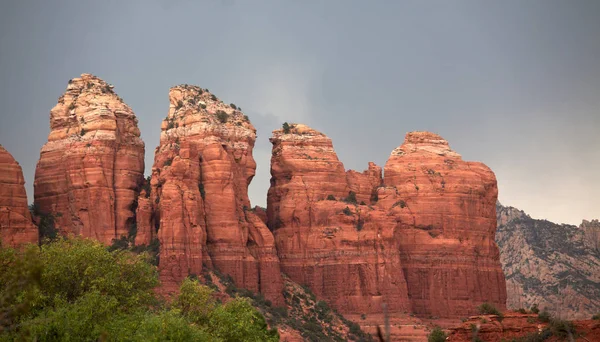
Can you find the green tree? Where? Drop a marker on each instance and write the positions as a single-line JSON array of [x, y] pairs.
[[195, 301], [436, 335], [238, 320]]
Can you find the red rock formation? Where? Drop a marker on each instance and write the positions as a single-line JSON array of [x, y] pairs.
[[446, 220], [425, 244], [16, 227], [518, 326], [345, 253], [200, 179], [90, 168]]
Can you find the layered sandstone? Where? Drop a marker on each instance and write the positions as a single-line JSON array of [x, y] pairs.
[[445, 212], [345, 252], [91, 167], [200, 179], [16, 226], [555, 266], [420, 239], [521, 327]]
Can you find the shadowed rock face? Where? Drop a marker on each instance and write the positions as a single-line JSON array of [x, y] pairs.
[[556, 266], [16, 226], [421, 239], [200, 179], [92, 165]]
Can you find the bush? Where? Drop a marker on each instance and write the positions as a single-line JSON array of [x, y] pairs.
[[534, 309], [330, 198], [77, 290], [351, 198], [544, 316], [233, 106], [360, 224], [195, 301], [168, 162], [490, 309], [436, 335], [347, 211], [561, 329], [286, 128], [596, 316], [222, 116]]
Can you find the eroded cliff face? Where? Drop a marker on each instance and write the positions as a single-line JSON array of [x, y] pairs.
[[421, 239], [91, 167], [445, 212], [16, 226], [345, 252], [556, 266], [200, 179]]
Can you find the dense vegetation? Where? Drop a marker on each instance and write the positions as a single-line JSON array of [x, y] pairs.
[[78, 290]]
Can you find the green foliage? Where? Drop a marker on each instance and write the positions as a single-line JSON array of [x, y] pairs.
[[374, 197], [286, 128], [201, 188], [222, 116], [544, 316], [561, 329], [351, 198], [490, 309], [436, 335], [168, 162], [596, 316], [330, 198], [233, 106], [347, 211], [360, 224], [195, 301], [78, 290], [237, 320], [534, 309], [46, 227]]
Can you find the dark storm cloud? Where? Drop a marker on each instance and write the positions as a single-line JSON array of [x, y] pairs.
[[515, 84]]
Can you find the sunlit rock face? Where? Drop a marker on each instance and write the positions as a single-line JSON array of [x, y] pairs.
[[420, 239], [200, 179], [16, 226], [89, 171]]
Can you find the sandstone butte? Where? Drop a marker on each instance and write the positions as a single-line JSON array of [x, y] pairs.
[[420, 239], [16, 226], [199, 203], [90, 170]]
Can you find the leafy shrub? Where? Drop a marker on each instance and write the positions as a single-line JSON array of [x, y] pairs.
[[490, 309], [544, 316], [596, 316], [561, 329], [330, 198], [534, 308], [347, 211], [78, 290], [523, 311], [359, 224], [168, 162], [374, 197], [222, 116], [286, 128], [436, 335], [233, 106], [351, 198]]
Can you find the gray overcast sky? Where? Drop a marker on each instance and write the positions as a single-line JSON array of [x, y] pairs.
[[514, 84]]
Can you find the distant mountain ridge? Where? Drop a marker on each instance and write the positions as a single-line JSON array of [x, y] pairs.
[[556, 266]]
